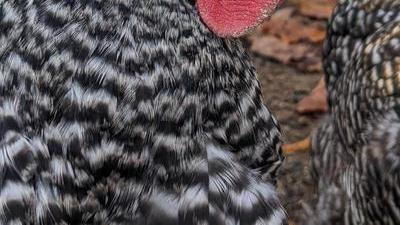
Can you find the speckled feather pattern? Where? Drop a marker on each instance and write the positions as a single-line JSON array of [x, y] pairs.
[[356, 152], [130, 112], [352, 22]]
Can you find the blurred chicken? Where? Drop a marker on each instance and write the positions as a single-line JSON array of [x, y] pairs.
[[133, 112], [356, 151]]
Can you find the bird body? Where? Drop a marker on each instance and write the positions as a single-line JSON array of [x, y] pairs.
[[356, 150], [130, 112]]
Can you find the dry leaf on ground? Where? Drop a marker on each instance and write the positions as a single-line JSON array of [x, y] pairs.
[[321, 9], [294, 35], [291, 27]]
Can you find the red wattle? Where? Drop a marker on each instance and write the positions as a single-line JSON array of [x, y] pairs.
[[232, 18]]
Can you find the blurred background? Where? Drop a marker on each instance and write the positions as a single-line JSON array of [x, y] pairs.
[[287, 54]]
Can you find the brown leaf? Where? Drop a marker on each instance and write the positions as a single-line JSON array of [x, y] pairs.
[[292, 28], [301, 55], [294, 36], [321, 9]]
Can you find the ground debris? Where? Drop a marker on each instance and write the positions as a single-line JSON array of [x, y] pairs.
[[294, 34]]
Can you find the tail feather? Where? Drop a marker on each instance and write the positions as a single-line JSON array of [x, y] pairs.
[[238, 195]]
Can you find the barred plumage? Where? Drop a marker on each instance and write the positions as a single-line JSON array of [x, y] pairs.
[[356, 150], [352, 22], [130, 112]]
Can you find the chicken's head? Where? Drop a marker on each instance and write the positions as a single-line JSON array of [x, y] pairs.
[[232, 18]]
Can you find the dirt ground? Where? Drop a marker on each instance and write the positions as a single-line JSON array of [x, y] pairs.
[[282, 88]]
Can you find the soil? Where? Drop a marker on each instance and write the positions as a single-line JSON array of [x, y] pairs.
[[282, 88]]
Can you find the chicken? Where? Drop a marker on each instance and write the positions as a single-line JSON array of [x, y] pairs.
[[346, 32], [133, 112], [356, 151]]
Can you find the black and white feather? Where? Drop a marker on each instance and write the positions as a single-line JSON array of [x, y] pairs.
[[356, 152], [130, 112]]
